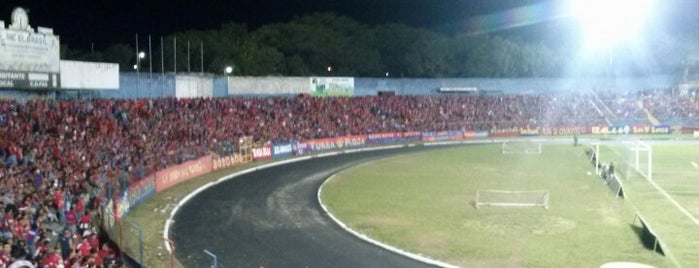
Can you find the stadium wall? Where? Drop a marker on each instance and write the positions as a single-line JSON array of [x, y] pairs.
[[143, 85]]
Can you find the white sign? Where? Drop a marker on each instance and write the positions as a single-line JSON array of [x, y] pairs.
[[89, 75]]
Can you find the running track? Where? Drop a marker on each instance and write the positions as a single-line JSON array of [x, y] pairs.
[[271, 218]]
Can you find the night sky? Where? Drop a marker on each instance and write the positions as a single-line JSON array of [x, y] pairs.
[[80, 23]]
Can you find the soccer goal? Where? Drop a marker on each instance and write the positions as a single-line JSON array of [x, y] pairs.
[[637, 160], [521, 147], [502, 198]]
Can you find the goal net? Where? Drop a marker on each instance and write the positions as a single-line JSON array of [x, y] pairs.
[[521, 147], [512, 198], [636, 160]]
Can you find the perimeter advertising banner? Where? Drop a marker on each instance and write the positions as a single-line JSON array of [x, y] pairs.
[[262, 153], [610, 130], [136, 193], [646, 129], [393, 137], [555, 131], [336, 143], [176, 174], [442, 136], [219, 162], [331, 86], [28, 59], [282, 150]]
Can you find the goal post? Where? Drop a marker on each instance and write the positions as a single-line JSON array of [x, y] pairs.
[[637, 160], [521, 147], [502, 198]]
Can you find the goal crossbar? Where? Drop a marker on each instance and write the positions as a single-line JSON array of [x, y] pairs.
[[504, 198]]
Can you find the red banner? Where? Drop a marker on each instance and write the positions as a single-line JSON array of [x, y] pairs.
[[555, 131], [261, 153], [510, 132], [173, 175], [219, 162]]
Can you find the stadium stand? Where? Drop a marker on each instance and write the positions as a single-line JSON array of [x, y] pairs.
[[62, 159]]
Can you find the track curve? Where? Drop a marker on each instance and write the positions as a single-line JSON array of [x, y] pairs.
[[271, 218]]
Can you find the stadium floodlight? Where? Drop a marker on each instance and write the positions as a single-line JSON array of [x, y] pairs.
[[141, 55], [228, 70], [606, 23]]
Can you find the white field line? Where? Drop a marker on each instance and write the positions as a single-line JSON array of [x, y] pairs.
[[694, 164], [369, 240], [674, 202]]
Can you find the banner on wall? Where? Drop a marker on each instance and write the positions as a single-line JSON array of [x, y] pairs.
[[176, 174], [336, 143], [472, 135], [618, 130], [300, 148], [331, 86], [508, 132], [555, 131], [529, 132], [282, 150], [646, 129], [220, 162], [393, 137], [261, 153], [136, 193], [442, 136]]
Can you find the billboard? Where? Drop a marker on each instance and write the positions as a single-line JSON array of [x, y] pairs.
[[89, 75], [332, 86], [193, 86], [28, 59]]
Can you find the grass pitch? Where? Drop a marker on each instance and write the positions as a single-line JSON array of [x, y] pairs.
[[423, 203], [670, 203]]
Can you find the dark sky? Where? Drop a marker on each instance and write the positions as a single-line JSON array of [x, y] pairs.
[[103, 22]]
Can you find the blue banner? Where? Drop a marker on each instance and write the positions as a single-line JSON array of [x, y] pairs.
[[282, 150]]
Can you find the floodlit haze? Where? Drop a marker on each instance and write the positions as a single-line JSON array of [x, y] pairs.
[[80, 23]]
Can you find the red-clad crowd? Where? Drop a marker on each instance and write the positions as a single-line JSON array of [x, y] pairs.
[[62, 160]]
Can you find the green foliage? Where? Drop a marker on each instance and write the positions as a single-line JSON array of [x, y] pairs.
[[308, 45]]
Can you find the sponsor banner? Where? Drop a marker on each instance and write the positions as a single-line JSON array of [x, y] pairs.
[[527, 131], [555, 131], [508, 132], [300, 148], [332, 86], [336, 143], [261, 153], [176, 174], [603, 130], [442, 136], [28, 80], [282, 150], [219, 162], [472, 135], [646, 129], [136, 193], [393, 137]]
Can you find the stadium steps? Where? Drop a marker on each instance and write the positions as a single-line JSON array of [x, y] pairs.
[[650, 116]]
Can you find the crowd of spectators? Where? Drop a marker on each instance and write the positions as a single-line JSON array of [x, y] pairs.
[[61, 160]]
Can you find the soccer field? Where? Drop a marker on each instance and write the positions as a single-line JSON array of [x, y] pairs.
[[670, 202], [424, 203]]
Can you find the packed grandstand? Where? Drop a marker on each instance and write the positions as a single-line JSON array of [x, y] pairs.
[[66, 162]]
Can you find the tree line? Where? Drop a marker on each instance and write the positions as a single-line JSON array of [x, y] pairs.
[[326, 44]]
